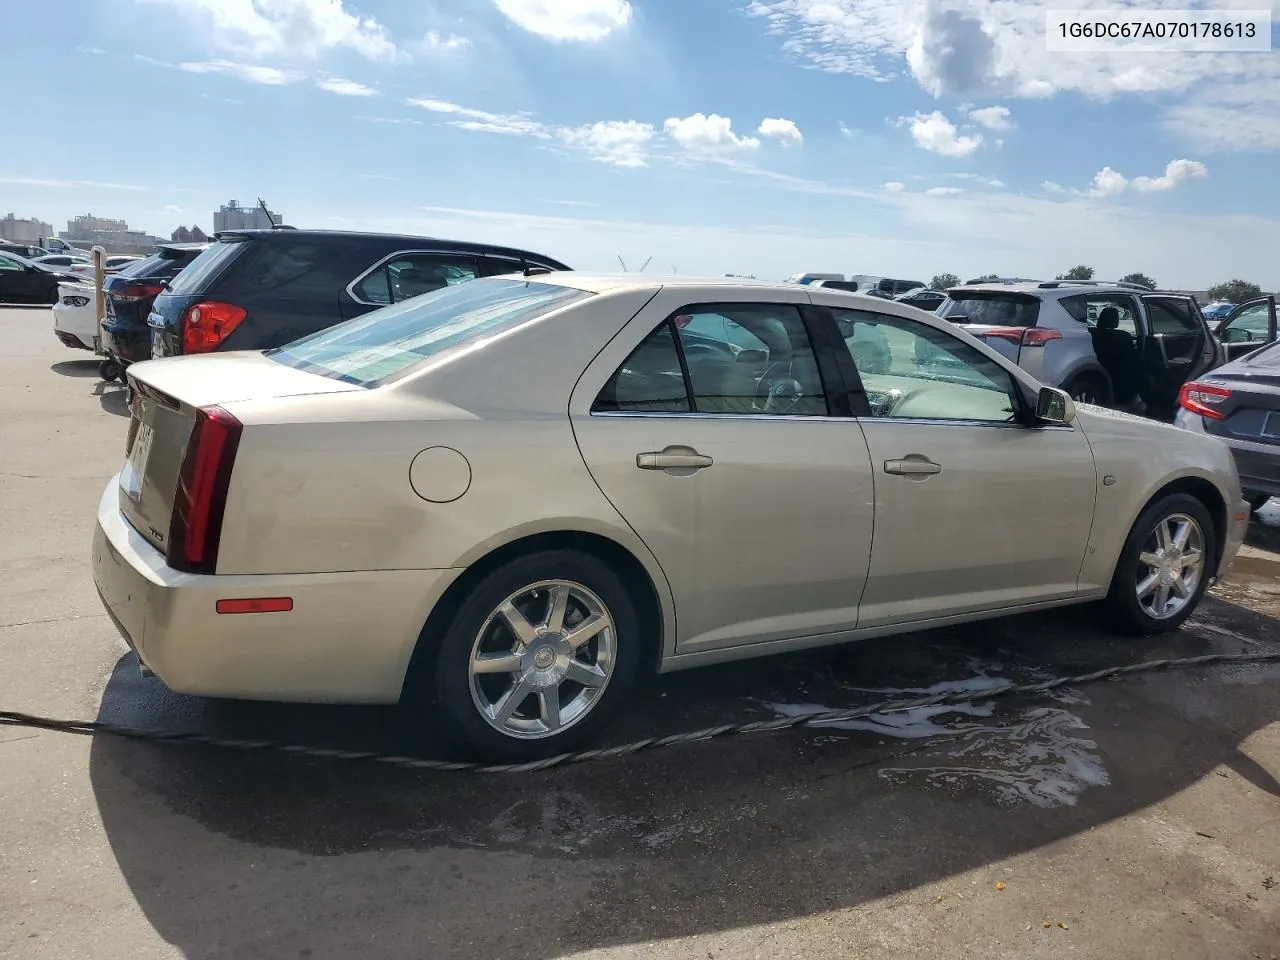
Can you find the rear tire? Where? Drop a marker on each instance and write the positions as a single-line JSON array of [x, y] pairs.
[[1089, 389], [1164, 566], [110, 369], [509, 640]]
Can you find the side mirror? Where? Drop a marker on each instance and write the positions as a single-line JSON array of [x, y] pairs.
[[1236, 335], [1054, 406]]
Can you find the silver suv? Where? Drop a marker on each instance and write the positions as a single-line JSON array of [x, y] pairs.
[[1114, 344]]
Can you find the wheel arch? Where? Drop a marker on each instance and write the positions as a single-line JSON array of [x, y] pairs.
[[651, 594], [1087, 368], [1202, 489]]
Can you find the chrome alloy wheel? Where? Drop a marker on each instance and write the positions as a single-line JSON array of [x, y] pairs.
[[542, 659], [1170, 566]]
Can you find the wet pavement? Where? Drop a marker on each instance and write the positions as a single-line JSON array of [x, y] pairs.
[[1134, 818]]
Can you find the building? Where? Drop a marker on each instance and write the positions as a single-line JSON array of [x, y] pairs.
[[113, 235], [232, 216], [193, 235], [30, 231]]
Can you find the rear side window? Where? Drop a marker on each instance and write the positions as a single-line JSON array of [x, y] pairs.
[[193, 279], [1088, 308], [413, 274], [993, 308], [387, 343], [140, 268]]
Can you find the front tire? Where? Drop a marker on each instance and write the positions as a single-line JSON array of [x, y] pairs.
[[1164, 567], [539, 654]]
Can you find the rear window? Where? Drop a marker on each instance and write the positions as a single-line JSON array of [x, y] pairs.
[[141, 268], [202, 268], [992, 308], [379, 346]]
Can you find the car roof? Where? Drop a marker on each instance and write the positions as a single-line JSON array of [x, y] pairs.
[[410, 240], [601, 282], [1051, 289]]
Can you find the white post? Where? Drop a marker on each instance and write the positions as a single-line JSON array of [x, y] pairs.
[[99, 297]]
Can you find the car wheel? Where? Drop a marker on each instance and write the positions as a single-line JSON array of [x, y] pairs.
[[540, 652], [110, 369], [1257, 500], [1164, 566], [1089, 390]]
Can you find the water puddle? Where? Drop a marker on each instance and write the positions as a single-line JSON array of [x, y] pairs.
[[1034, 755], [1254, 581]]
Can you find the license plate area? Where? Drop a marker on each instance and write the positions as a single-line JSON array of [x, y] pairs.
[[135, 467]]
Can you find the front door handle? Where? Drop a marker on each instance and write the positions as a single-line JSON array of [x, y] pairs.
[[673, 458], [912, 465]]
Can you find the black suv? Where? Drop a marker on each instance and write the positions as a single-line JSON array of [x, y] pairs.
[[256, 289]]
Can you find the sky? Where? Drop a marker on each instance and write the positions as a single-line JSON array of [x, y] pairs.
[[898, 138]]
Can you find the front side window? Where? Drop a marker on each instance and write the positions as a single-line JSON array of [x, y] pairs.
[[1254, 320], [747, 359], [1171, 315], [387, 343], [7, 263], [914, 371], [413, 274]]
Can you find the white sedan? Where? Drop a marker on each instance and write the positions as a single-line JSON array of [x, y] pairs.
[[75, 319], [513, 495]]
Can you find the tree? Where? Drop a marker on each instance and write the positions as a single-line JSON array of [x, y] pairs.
[[1077, 273], [944, 281], [1140, 278], [1235, 291], [987, 278]]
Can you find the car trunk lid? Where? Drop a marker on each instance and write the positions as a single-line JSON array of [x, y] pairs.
[[166, 400]]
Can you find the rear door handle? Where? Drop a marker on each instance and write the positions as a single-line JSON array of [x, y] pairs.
[[912, 465], [669, 459]]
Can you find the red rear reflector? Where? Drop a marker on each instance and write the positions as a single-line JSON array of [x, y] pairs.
[[207, 324], [256, 605], [201, 497], [1201, 398]]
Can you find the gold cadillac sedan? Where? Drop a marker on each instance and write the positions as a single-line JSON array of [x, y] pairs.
[[506, 499]]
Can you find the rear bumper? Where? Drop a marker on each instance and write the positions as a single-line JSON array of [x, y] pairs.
[[75, 326], [348, 639], [129, 344]]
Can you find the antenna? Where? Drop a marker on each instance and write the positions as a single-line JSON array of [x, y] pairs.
[[623, 262], [645, 264], [270, 219], [674, 268]]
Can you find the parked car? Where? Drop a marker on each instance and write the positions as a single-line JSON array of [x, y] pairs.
[[1217, 310], [24, 250], [256, 289], [22, 281], [808, 278], [61, 261], [1248, 327], [1112, 344], [923, 298], [1239, 403], [126, 335], [75, 319], [507, 498]]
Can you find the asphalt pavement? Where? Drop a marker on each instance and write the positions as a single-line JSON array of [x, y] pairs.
[[1131, 819]]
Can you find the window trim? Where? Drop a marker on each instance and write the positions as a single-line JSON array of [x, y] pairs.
[[350, 288], [858, 396]]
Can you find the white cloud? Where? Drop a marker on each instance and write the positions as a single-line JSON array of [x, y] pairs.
[[271, 76], [621, 143], [935, 133], [96, 51], [578, 20], [438, 42], [306, 27], [1175, 172], [1052, 187], [943, 191], [780, 129], [846, 130], [993, 118], [63, 184], [173, 208], [995, 48], [209, 96], [346, 88], [515, 124], [707, 134], [396, 121], [1108, 183], [895, 186]]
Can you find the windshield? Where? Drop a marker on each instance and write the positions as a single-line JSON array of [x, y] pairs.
[[194, 277], [387, 343], [996, 309]]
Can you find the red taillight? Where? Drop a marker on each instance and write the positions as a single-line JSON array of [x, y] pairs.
[[1025, 336], [207, 324], [201, 498], [132, 292], [255, 605], [1201, 398]]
